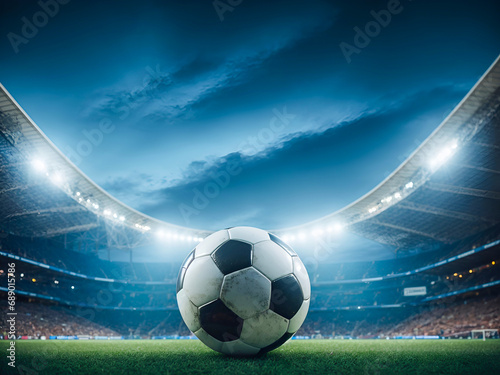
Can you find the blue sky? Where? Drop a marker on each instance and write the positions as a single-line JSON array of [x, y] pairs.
[[266, 91]]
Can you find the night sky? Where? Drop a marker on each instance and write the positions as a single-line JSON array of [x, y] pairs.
[[282, 103]]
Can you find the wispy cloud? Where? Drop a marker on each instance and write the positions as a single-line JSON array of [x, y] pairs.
[[317, 154], [168, 93]]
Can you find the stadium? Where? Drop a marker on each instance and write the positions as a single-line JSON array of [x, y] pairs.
[[72, 264], [55, 220]]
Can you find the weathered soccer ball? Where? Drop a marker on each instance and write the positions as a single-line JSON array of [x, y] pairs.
[[243, 291]]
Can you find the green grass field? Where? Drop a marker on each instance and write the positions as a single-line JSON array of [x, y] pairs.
[[295, 357]]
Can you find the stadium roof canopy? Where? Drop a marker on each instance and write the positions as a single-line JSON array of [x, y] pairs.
[[447, 190], [43, 194]]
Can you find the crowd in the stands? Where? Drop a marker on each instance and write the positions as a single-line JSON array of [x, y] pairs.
[[457, 319], [37, 320], [454, 319]]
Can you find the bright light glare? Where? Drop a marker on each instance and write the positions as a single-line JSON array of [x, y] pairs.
[[441, 158], [372, 210], [409, 185], [317, 232], [397, 195], [338, 228], [39, 165], [444, 155], [122, 218], [57, 179]]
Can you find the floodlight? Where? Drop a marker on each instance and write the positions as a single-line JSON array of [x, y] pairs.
[[338, 228], [38, 165], [57, 179], [444, 155], [317, 232]]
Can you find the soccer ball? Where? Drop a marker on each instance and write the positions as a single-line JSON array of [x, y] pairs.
[[243, 291]]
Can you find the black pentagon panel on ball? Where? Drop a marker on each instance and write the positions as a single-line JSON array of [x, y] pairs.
[[220, 322], [232, 256], [276, 344], [280, 242], [182, 272], [286, 296]]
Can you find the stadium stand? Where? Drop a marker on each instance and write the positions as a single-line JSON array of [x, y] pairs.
[[46, 321]]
